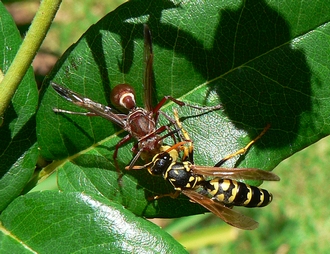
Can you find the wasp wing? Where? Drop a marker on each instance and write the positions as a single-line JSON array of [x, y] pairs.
[[98, 109], [228, 215], [235, 173], [148, 62]]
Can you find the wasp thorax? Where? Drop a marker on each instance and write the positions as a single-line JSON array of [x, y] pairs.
[[181, 177], [123, 95]]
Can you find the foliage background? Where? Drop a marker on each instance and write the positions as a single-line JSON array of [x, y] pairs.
[[297, 221]]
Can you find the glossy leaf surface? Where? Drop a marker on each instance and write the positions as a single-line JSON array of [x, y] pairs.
[[75, 222], [263, 61]]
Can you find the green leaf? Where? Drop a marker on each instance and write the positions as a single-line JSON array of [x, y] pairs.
[[18, 149], [264, 62], [75, 222]]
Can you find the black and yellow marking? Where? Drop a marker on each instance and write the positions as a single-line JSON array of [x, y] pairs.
[[233, 193], [211, 187]]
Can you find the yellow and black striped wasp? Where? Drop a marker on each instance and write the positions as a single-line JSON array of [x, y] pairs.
[[216, 187]]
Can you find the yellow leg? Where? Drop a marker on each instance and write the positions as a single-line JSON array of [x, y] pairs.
[[243, 150], [187, 151], [172, 195]]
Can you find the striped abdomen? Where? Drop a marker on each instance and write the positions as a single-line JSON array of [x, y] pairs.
[[233, 193]]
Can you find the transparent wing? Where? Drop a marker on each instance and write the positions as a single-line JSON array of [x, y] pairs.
[[148, 62], [235, 173], [86, 103], [228, 215]]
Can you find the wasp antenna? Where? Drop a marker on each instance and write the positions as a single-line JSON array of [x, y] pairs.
[[137, 167]]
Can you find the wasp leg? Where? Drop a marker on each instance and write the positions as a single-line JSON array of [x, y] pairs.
[[181, 104], [187, 151], [172, 195], [243, 150]]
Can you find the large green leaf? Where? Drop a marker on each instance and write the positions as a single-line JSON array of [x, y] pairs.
[[18, 149], [57, 222], [265, 62]]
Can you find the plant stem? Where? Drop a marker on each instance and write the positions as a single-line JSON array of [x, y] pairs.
[[26, 53]]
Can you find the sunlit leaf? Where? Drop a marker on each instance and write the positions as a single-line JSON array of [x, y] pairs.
[[75, 222]]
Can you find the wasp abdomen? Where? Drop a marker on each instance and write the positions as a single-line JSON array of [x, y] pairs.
[[233, 193]]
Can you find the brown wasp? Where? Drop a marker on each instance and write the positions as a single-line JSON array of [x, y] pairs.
[[140, 123], [215, 188]]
